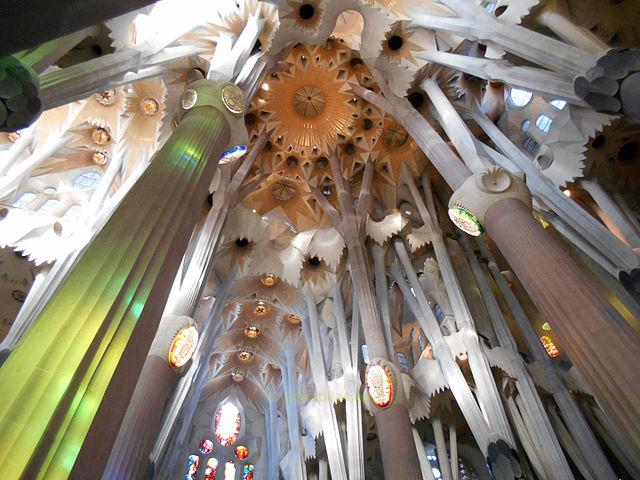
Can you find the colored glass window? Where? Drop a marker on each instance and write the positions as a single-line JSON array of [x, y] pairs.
[[227, 424]]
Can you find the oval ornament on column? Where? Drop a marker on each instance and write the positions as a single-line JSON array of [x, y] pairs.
[[466, 221], [183, 346], [233, 99], [379, 385], [189, 98]]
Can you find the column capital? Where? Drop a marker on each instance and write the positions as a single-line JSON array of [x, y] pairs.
[[226, 97], [469, 204]]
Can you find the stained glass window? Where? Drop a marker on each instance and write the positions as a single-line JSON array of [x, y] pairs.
[[242, 452], [438, 312], [525, 125], [520, 97], [421, 342], [402, 361], [87, 180], [192, 467], [229, 471], [206, 446], [211, 470], [227, 426], [365, 354], [247, 472], [24, 200], [543, 123], [549, 346]]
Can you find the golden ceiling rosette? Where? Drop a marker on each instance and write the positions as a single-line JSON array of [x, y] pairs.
[[310, 105]]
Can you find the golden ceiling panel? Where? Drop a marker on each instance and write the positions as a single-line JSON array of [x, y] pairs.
[[310, 106]]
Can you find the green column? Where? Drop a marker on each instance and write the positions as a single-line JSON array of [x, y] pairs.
[[66, 385]]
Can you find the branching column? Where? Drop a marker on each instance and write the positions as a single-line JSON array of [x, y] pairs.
[[487, 391], [495, 448], [393, 422], [292, 406], [353, 401], [333, 442], [69, 381], [612, 216], [570, 32], [598, 340]]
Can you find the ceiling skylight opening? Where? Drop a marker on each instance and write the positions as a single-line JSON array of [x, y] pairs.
[[559, 104], [544, 123], [520, 98]]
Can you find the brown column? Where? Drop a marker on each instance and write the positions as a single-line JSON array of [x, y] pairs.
[[130, 453], [399, 458], [394, 430], [604, 347]]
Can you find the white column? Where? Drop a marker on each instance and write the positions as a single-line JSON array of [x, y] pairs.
[[353, 401], [441, 448], [453, 452], [293, 409], [572, 33], [487, 391], [475, 23], [613, 217], [333, 442]]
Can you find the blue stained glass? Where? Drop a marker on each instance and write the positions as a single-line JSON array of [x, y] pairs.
[[192, 467], [233, 153]]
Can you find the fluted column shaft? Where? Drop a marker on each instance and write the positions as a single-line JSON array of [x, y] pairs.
[[576, 423], [598, 340], [130, 453], [395, 436], [69, 380]]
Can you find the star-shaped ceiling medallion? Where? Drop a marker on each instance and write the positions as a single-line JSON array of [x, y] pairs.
[[309, 107]]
